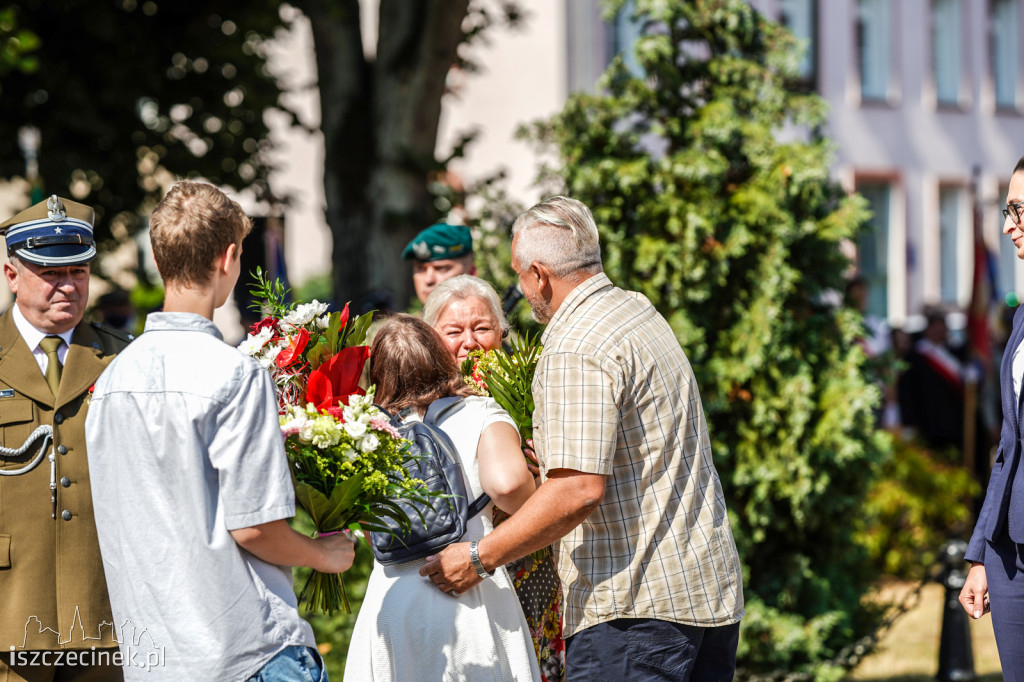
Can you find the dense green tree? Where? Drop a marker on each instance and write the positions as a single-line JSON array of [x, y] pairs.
[[129, 94], [733, 231]]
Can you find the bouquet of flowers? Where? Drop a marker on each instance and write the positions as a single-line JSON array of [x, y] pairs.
[[508, 378], [346, 459]]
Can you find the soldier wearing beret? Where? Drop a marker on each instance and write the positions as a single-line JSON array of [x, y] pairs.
[[439, 252], [56, 621]]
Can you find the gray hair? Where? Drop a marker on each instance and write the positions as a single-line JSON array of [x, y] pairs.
[[459, 288], [560, 233]]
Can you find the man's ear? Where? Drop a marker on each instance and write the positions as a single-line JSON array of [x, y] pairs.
[[229, 256], [11, 275], [543, 274]]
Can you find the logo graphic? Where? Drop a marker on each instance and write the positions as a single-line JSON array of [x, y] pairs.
[[135, 648]]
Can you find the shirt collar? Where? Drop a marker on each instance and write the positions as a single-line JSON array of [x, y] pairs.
[[32, 335], [181, 322], [574, 300]]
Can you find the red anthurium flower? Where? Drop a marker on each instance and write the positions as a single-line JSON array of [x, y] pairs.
[[338, 378], [344, 316], [294, 350], [266, 322]]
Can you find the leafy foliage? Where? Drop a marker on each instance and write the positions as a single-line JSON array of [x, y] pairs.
[[128, 95], [16, 44], [508, 378], [734, 232], [914, 506]]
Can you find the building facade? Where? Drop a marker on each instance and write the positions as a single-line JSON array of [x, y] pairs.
[[920, 93]]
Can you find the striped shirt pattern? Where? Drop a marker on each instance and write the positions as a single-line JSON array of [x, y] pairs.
[[616, 396]]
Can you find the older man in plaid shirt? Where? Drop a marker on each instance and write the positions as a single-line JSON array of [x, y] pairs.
[[652, 581]]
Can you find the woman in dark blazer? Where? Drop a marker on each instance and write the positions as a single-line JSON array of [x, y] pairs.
[[996, 550]]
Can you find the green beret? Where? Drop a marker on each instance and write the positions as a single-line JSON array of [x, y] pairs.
[[439, 242]]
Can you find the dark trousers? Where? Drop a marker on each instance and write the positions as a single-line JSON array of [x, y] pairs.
[[1005, 577], [647, 649]]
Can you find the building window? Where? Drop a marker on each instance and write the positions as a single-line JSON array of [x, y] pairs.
[[626, 31], [951, 235], [1005, 55], [873, 247], [946, 50], [799, 16], [873, 46]]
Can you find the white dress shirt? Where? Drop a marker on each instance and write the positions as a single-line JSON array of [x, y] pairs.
[[33, 336]]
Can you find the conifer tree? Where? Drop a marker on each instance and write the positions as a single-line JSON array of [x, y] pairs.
[[711, 206]]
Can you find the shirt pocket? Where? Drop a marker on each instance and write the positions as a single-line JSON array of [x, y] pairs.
[[17, 422], [5, 550]]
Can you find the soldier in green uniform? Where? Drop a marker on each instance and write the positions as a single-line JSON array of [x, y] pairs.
[[438, 253], [56, 621]]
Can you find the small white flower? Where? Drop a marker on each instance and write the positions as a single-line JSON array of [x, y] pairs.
[[268, 358], [356, 429], [305, 312], [254, 343], [369, 443], [292, 423], [323, 322]]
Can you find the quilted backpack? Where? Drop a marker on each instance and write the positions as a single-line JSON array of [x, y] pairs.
[[436, 463]]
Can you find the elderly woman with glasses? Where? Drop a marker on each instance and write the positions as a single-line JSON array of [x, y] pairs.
[[996, 550], [466, 312]]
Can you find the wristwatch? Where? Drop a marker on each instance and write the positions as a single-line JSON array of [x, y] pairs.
[[474, 558]]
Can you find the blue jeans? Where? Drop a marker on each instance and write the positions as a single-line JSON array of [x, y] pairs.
[[648, 649], [293, 664]]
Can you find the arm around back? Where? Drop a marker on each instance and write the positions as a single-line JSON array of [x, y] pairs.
[[503, 472]]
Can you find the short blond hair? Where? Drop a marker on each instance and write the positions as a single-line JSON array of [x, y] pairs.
[[192, 225]]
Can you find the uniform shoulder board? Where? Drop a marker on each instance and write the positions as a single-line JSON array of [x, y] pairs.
[[124, 337]]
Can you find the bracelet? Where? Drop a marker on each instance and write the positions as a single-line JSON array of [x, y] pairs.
[[474, 558]]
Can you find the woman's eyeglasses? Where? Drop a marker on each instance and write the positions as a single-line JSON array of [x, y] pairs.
[[1013, 212]]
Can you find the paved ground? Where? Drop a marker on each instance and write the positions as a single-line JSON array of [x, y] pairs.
[[910, 650]]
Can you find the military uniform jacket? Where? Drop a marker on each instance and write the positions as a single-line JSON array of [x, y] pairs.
[[53, 594]]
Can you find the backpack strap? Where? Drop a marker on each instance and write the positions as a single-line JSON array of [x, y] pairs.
[[441, 408], [438, 410], [478, 505]]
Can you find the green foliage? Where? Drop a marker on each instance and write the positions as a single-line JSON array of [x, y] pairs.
[[734, 233], [16, 44], [508, 378], [316, 288], [128, 95], [916, 505]]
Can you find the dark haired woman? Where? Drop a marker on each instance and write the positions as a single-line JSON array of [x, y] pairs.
[[407, 629]]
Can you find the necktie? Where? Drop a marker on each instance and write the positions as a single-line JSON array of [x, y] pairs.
[[50, 344]]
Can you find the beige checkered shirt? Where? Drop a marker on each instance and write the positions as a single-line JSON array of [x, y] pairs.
[[616, 396]]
